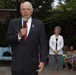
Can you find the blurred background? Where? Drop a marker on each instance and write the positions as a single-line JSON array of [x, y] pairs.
[[51, 12]]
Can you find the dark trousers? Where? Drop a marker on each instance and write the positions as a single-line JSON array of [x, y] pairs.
[[24, 73]]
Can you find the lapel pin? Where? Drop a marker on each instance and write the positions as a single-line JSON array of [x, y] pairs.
[[33, 26]]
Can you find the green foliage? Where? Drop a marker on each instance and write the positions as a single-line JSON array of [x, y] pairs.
[[63, 15], [7, 4], [71, 41], [3, 27]]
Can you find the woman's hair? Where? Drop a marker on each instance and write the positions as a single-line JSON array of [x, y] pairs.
[[71, 47], [57, 27]]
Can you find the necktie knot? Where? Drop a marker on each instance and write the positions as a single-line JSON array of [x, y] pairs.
[[25, 24], [25, 21]]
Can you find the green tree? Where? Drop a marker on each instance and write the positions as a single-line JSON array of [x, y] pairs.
[[7, 4], [64, 15], [41, 8]]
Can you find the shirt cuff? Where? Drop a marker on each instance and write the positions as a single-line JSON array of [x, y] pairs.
[[19, 38]]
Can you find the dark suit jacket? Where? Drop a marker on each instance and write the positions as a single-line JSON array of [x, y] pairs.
[[25, 53]]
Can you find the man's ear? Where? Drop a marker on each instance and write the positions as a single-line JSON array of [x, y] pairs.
[[32, 11]]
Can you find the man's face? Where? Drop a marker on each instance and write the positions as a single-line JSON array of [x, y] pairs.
[[26, 11]]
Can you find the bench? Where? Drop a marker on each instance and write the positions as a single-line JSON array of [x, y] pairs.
[[5, 55]]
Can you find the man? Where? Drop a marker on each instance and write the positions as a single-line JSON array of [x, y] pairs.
[[27, 42]]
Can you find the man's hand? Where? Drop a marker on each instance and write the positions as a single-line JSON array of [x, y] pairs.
[[41, 65], [22, 32]]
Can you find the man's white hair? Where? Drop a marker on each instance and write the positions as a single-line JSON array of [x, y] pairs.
[[26, 2]]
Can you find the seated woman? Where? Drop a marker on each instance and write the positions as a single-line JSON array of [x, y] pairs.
[[64, 56], [71, 55], [74, 62]]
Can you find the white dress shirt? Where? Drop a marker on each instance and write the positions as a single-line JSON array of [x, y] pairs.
[[52, 44], [28, 26]]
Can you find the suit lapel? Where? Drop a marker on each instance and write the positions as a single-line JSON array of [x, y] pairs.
[[58, 38], [19, 24], [54, 38]]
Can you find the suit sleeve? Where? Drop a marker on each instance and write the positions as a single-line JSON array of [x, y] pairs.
[[11, 36], [43, 45]]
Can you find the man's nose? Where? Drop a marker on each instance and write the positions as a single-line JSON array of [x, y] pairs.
[[25, 11]]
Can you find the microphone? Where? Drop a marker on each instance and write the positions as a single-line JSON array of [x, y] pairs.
[[24, 21]]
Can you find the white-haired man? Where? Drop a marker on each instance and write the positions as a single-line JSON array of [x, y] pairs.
[[27, 38]]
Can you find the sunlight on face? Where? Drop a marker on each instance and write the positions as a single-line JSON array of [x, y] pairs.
[[71, 48], [26, 10], [57, 31]]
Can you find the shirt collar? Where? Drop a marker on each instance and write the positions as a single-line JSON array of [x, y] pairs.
[[29, 20]]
